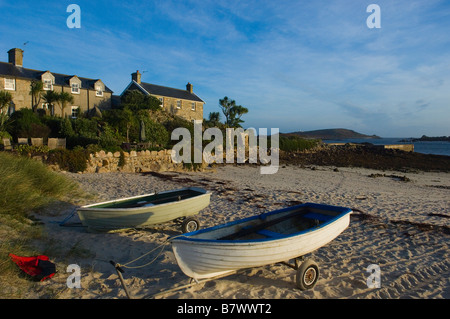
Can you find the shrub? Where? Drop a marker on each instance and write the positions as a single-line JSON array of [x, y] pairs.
[[70, 160], [31, 150], [156, 133], [23, 122], [122, 160]]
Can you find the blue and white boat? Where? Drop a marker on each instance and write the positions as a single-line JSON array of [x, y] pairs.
[[269, 238]]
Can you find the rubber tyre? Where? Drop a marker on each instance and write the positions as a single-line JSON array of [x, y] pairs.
[[307, 275], [190, 224]]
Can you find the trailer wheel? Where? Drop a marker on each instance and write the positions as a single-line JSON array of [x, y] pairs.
[[307, 275], [190, 224]]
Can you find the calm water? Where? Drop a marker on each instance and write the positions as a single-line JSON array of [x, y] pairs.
[[439, 148]]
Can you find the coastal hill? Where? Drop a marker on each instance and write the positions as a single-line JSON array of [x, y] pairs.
[[332, 134]]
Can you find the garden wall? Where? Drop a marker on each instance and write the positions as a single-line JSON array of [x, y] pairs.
[[133, 161]]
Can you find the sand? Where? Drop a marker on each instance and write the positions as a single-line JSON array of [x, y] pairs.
[[400, 226]]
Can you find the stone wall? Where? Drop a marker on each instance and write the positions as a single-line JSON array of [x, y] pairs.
[[134, 161]]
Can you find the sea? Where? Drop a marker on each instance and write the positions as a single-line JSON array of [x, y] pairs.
[[428, 147]]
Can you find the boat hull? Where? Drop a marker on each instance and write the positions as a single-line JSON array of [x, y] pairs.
[[101, 217], [206, 258]]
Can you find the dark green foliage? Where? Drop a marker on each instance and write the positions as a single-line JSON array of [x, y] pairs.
[[122, 160], [178, 122], [232, 112], [26, 123], [70, 160], [135, 101], [155, 133]]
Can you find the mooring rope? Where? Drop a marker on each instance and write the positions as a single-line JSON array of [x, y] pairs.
[[162, 246]]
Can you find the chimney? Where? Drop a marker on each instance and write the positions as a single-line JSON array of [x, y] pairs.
[[189, 87], [136, 77], [15, 56]]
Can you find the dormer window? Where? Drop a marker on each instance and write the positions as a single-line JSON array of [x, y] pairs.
[[75, 88], [48, 85], [75, 85], [98, 90], [48, 80]]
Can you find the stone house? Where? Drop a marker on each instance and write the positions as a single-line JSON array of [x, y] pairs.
[[183, 103], [87, 93]]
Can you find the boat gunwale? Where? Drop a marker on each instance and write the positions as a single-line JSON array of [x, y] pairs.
[[92, 207], [343, 211]]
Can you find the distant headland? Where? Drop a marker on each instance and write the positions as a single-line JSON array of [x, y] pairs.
[[332, 134], [425, 138]]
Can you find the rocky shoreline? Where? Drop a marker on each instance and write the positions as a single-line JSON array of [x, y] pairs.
[[368, 156]]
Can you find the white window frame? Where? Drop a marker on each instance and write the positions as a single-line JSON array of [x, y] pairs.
[[77, 109], [98, 91], [193, 106], [179, 104], [75, 88], [10, 84], [48, 85], [48, 107], [161, 99]]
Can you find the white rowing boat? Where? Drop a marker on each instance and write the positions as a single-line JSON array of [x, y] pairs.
[[260, 240], [146, 210]]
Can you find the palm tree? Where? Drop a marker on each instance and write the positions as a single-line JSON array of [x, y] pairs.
[[36, 88], [50, 97], [63, 98], [232, 112], [213, 120], [5, 100]]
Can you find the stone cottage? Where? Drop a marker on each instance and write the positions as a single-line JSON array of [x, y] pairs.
[[183, 103], [87, 93]]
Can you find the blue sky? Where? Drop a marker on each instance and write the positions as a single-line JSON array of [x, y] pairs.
[[296, 65]]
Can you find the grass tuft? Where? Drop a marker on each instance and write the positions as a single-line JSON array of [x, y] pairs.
[[26, 185]]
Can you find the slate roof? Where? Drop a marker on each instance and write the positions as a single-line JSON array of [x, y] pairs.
[[9, 69], [154, 89]]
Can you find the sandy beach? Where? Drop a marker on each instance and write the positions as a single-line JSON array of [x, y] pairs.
[[400, 224]]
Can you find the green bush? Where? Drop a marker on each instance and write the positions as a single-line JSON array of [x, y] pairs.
[[25, 149], [70, 160], [26, 123]]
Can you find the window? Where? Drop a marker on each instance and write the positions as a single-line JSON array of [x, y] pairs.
[[98, 91], [10, 84], [48, 107], [11, 108], [75, 111], [161, 99], [48, 85], [193, 106], [178, 104], [75, 88]]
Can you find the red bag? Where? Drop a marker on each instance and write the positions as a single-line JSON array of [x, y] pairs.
[[38, 267]]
